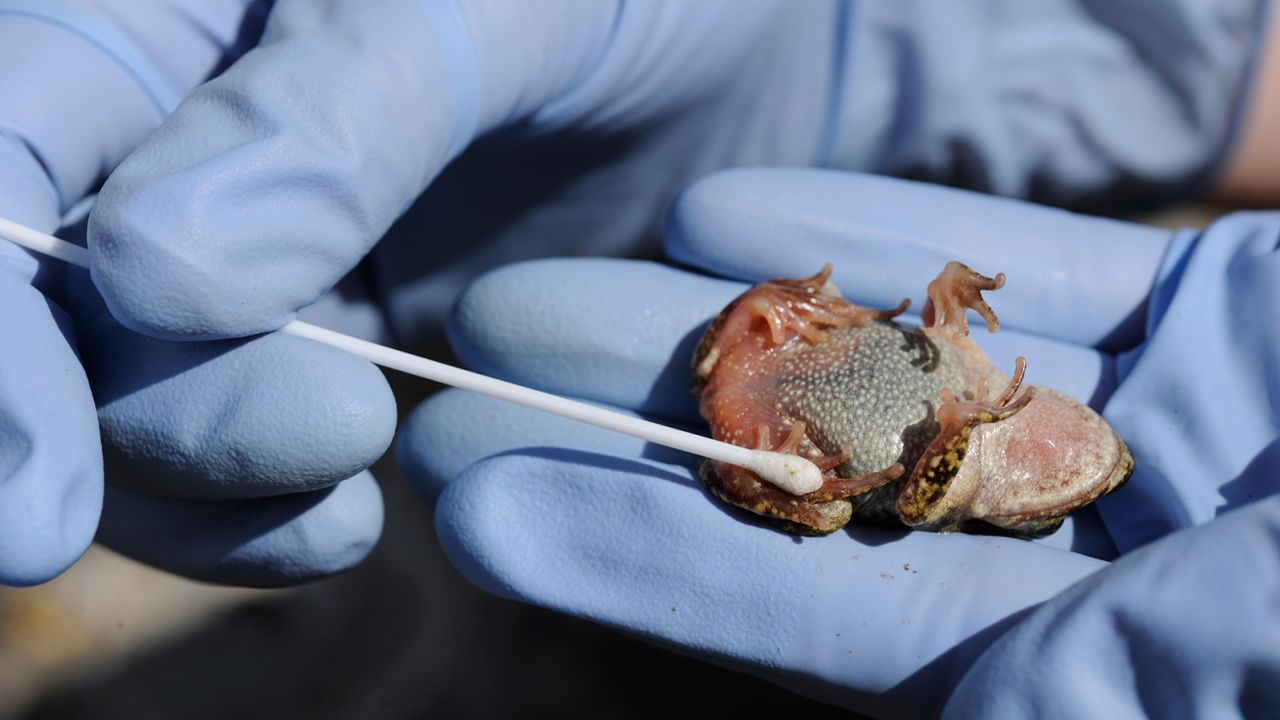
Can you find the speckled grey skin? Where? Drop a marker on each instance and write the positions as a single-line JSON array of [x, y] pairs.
[[875, 390]]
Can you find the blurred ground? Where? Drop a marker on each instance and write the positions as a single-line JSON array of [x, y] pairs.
[[402, 636]]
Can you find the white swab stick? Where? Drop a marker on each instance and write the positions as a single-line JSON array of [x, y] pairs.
[[44, 244], [779, 468], [791, 473]]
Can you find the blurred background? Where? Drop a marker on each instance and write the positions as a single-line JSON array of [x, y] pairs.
[[401, 636]]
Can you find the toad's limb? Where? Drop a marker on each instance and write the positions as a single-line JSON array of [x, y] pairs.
[[918, 502], [817, 512], [958, 288], [781, 309]]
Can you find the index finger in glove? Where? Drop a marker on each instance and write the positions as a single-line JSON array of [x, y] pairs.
[[269, 415], [50, 457], [1072, 277], [270, 182], [263, 542]]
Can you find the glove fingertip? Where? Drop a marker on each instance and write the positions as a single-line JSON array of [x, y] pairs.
[[539, 524], [265, 542], [760, 209], [342, 530], [157, 281], [481, 516], [422, 433], [36, 552], [701, 211], [50, 456], [469, 545], [553, 324], [50, 492]]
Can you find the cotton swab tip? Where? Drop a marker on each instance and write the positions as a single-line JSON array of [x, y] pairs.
[[791, 473]]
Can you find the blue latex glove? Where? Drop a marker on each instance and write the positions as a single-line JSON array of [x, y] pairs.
[[267, 184], [887, 622], [270, 182], [266, 426]]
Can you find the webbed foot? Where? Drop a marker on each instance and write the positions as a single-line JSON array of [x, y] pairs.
[[957, 289]]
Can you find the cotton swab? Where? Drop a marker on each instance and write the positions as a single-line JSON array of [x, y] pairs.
[[791, 473]]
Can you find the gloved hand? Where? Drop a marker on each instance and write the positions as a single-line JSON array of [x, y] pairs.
[[225, 457], [889, 622], [267, 184], [270, 182]]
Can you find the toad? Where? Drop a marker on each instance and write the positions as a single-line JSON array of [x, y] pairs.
[[900, 419]]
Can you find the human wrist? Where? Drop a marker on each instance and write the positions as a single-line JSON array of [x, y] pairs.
[[1252, 171]]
